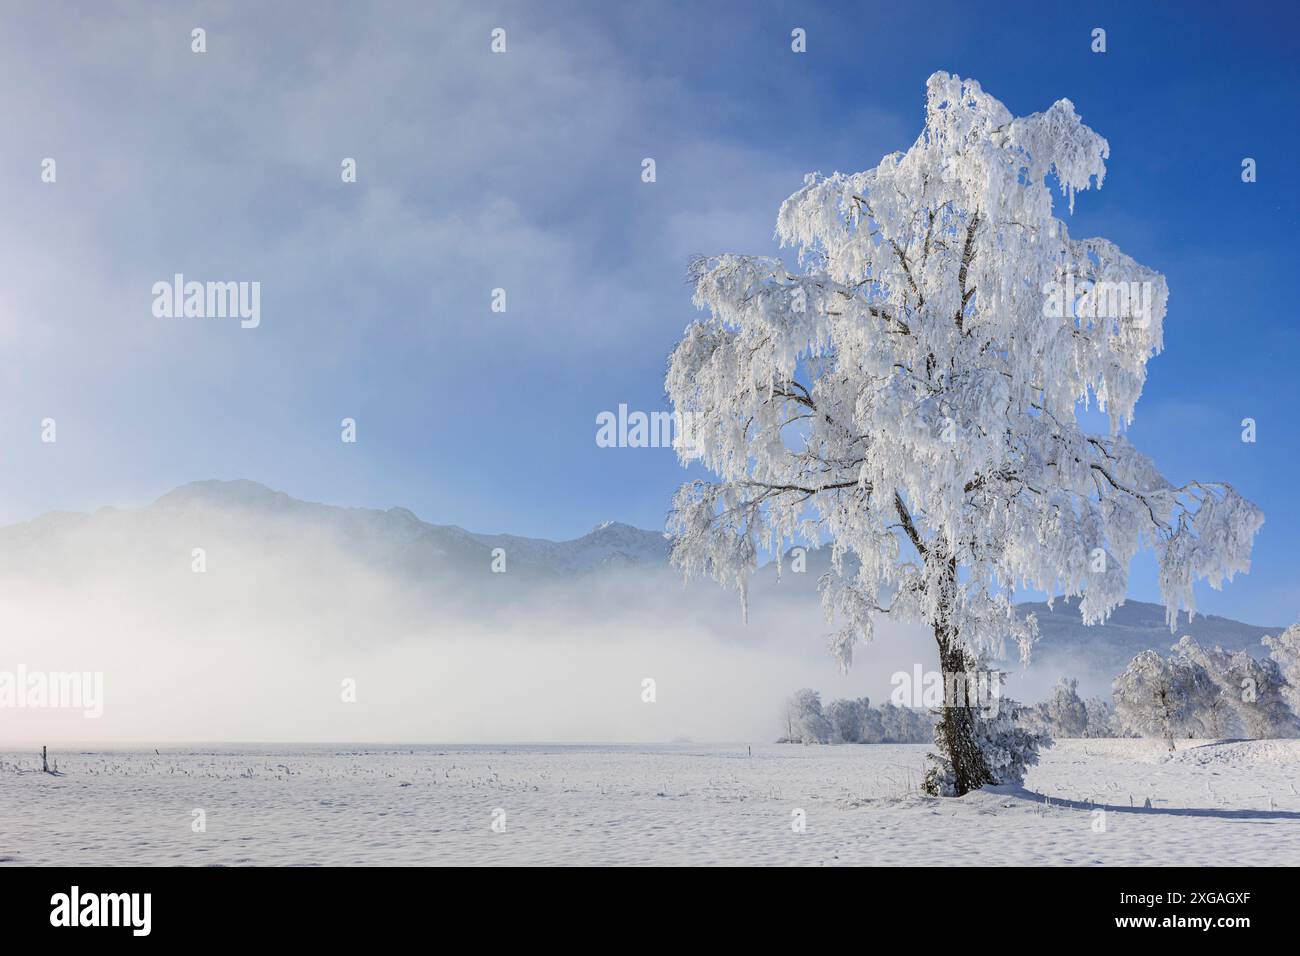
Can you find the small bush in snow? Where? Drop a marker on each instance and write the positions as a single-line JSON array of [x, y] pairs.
[[1006, 748]]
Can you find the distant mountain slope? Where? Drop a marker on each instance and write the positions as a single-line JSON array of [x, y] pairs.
[[212, 513], [612, 544], [1135, 626], [257, 539]]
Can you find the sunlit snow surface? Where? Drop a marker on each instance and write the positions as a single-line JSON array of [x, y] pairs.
[[1211, 803]]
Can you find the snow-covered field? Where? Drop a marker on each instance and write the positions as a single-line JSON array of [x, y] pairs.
[[1210, 804]]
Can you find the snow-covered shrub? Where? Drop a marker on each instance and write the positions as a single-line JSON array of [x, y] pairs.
[[1005, 747]]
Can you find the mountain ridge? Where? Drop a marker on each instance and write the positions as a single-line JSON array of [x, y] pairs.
[[611, 543], [252, 519]]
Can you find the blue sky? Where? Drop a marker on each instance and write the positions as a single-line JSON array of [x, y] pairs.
[[522, 171]]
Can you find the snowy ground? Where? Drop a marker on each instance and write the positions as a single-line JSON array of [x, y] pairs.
[[1211, 804]]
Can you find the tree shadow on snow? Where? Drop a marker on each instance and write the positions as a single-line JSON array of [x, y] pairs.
[[1088, 805]]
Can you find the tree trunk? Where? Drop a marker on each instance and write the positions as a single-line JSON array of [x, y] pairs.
[[1165, 712], [955, 734]]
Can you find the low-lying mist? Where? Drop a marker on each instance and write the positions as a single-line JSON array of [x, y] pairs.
[[274, 621]]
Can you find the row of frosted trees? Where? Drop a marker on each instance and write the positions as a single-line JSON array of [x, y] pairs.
[[852, 722], [1191, 692]]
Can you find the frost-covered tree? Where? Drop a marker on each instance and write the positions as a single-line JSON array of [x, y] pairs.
[[904, 725], [911, 395], [1064, 713], [1101, 718], [1259, 698], [1163, 697], [895, 723], [1284, 650], [853, 721], [873, 728], [1219, 715], [846, 720], [918, 724], [807, 723], [789, 719], [1249, 697]]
